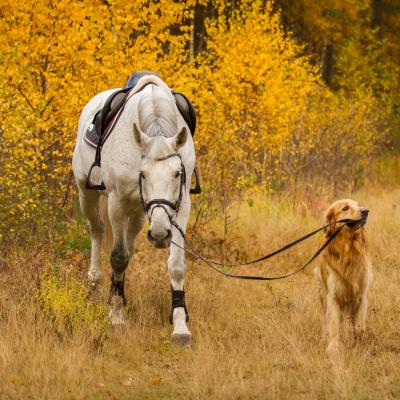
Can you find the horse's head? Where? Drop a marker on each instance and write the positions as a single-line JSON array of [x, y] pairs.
[[162, 180]]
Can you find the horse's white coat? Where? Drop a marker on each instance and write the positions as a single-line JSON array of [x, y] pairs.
[[159, 130]]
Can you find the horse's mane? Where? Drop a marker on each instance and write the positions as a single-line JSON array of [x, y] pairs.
[[156, 108]]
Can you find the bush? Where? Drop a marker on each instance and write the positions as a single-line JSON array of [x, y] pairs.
[[64, 298]]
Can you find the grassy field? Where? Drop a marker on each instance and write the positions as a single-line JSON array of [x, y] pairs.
[[251, 340]]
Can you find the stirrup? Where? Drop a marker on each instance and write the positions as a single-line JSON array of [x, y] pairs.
[[91, 186], [197, 188]]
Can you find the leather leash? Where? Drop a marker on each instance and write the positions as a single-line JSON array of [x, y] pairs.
[[150, 205], [212, 264]]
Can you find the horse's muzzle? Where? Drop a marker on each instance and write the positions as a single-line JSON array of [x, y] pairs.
[[160, 241]]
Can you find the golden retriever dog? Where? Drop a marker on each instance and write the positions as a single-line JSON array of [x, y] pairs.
[[345, 272]]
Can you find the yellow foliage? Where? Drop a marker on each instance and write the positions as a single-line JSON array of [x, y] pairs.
[[264, 116], [65, 299], [266, 119], [326, 21], [54, 58]]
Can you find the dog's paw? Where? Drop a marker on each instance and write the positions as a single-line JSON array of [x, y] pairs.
[[359, 334], [333, 347]]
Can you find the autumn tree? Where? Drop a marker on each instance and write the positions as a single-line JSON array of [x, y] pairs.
[[267, 120], [54, 57]]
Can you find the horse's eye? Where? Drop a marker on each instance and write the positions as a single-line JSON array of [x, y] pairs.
[[345, 208], [178, 174]]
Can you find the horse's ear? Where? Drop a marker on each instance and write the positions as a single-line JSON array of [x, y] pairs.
[[330, 219], [180, 138], [140, 138]]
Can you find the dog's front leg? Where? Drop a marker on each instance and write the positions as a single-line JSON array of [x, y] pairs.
[[332, 318], [360, 317], [322, 290], [360, 310]]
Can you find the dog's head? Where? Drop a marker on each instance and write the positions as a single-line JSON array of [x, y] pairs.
[[346, 209]]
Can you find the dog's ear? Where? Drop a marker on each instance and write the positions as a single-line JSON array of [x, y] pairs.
[[330, 218]]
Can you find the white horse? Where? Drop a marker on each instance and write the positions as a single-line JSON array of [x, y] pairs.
[[151, 140]]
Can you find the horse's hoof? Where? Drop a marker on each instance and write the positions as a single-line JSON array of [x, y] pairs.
[[116, 320], [94, 276], [182, 339], [94, 288], [116, 314]]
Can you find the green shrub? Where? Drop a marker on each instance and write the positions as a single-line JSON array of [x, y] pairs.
[[65, 299]]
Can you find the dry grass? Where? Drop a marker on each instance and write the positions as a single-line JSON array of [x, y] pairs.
[[252, 340]]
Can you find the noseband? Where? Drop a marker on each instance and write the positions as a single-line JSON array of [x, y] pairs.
[[150, 206]]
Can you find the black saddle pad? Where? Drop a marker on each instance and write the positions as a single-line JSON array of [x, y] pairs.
[[106, 118]]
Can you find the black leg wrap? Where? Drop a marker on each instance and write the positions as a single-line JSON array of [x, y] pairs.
[[117, 288], [178, 300]]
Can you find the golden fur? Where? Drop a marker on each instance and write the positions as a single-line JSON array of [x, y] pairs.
[[345, 272]]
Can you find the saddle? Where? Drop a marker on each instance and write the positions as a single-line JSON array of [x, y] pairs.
[[105, 119]]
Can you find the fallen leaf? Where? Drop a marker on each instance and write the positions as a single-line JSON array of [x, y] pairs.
[[156, 380]]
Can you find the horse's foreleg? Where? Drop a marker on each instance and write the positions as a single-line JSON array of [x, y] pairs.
[[89, 202], [134, 226], [119, 260], [176, 271]]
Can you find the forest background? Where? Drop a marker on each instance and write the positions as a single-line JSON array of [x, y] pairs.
[[299, 96], [297, 104]]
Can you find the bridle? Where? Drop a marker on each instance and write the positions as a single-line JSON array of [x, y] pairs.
[[151, 205]]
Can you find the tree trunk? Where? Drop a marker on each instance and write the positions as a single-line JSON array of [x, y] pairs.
[[200, 14], [327, 63]]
